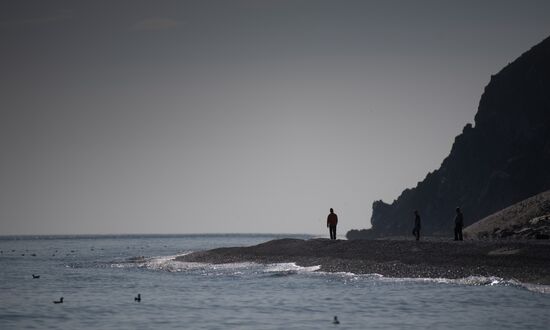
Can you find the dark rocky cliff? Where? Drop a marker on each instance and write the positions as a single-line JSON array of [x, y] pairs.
[[502, 159]]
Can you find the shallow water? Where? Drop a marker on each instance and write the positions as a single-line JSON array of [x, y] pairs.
[[99, 277]]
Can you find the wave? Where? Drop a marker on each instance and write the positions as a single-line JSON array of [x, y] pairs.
[[496, 281], [538, 288], [288, 268], [170, 264], [467, 281]]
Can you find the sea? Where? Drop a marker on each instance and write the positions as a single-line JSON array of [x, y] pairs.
[[99, 278]]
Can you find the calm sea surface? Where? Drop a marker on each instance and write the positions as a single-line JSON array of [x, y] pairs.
[[99, 276]]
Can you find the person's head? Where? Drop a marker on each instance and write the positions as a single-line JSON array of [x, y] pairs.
[[331, 210], [458, 210], [416, 212]]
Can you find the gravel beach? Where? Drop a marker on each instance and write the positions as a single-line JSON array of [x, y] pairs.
[[523, 261]]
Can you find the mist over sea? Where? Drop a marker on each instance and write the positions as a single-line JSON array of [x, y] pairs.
[[99, 276]]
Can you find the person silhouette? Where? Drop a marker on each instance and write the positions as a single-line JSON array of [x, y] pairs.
[[332, 221], [459, 223], [416, 229]]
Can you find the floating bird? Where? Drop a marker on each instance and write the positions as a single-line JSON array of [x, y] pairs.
[[35, 276], [60, 301], [138, 298], [335, 320]]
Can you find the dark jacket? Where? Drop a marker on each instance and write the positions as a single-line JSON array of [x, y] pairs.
[[459, 219], [417, 221], [332, 219]]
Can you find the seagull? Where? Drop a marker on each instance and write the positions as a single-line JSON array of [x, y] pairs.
[[35, 276], [60, 301], [335, 320], [138, 298]]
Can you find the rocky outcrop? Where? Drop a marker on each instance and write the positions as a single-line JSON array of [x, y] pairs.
[[528, 219], [502, 159]]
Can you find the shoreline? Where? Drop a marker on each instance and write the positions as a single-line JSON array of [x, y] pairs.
[[525, 261]]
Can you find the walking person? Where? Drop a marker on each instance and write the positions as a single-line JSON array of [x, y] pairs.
[[416, 229], [332, 221], [459, 224]]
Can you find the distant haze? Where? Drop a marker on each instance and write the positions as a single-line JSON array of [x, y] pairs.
[[236, 116]]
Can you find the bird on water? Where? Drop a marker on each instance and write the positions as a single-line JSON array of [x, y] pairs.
[[335, 320], [138, 298], [35, 276], [60, 301]]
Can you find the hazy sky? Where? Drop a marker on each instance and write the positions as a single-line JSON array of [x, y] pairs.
[[236, 116]]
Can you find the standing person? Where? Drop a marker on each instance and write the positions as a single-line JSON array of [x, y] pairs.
[[416, 229], [459, 223], [332, 221]]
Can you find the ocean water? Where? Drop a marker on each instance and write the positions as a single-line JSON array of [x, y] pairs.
[[99, 276]]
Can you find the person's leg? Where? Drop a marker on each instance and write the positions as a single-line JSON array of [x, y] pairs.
[[418, 234], [460, 234], [334, 231], [456, 233]]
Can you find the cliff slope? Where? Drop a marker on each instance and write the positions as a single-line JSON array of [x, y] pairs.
[[502, 159], [528, 219]]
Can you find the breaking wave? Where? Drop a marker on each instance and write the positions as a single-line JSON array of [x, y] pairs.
[[470, 281], [170, 264], [290, 268]]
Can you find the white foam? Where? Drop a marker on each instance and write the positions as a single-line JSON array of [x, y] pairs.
[[467, 281], [539, 288], [492, 281], [470, 280], [232, 266], [353, 275], [290, 267], [170, 264]]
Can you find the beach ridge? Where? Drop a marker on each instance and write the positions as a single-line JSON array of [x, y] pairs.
[[523, 261]]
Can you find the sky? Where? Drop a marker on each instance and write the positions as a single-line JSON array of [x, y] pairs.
[[237, 116]]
